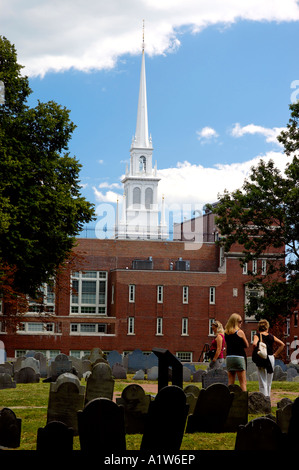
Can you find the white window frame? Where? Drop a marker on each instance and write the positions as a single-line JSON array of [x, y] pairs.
[[211, 321], [36, 328], [212, 295], [259, 291], [184, 356], [264, 267], [159, 326], [47, 300], [245, 268], [79, 305], [132, 290], [160, 294], [185, 325], [81, 329], [185, 294], [131, 325], [254, 266]]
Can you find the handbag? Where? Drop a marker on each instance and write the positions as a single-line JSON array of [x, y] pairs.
[[262, 350]]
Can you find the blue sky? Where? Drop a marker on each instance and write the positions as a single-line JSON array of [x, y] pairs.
[[219, 84]]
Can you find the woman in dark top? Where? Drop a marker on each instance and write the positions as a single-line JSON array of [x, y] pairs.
[[265, 367], [236, 342]]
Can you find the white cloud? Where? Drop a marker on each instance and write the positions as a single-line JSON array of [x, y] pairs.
[[86, 35], [108, 197], [206, 134], [269, 133]]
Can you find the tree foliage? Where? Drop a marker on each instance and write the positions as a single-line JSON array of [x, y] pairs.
[[262, 216], [41, 208]]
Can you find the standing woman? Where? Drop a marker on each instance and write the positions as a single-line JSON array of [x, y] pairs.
[[265, 367], [217, 345], [236, 342]]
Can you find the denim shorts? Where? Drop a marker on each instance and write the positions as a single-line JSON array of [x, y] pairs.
[[235, 363]]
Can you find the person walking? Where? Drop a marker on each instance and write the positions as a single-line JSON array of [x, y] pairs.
[[217, 346], [236, 342], [265, 367]]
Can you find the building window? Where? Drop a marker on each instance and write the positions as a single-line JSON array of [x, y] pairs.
[[245, 268], [235, 292], [184, 326], [254, 266], [295, 318], [184, 356], [36, 327], [159, 330], [131, 326], [112, 294], [211, 321], [89, 293], [44, 301], [160, 294], [212, 298], [132, 293], [88, 328], [148, 198], [264, 267], [185, 294], [252, 298]]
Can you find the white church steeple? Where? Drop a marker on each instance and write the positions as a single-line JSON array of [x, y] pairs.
[[140, 215]]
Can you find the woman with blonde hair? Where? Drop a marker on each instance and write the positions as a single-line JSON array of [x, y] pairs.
[[236, 342], [217, 345], [265, 367]]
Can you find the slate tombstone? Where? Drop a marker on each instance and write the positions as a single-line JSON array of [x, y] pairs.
[[214, 376], [186, 374], [114, 357], [238, 412], [55, 436], [100, 383], [102, 427], [96, 354], [6, 381], [165, 421], [197, 375], [293, 430], [10, 429], [61, 365], [139, 375], [283, 417], [136, 404], [151, 360], [42, 363], [258, 403], [211, 409], [31, 362], [167, 359], [118, 371], [260, 434], [136, 361], [153, 373], [66, 397], [26, 375], [192, 392]]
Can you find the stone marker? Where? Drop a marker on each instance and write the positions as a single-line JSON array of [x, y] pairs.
[[214, 376], [66, 398], [10, 429], [136, 404], [118, 371], [100, 383], [26, 375], [283, 417], [211, 409], [6, 381], [165, 421], [260, 434], [258, 403], [102, 427], [55, 436], [238, 412], [293, 430]]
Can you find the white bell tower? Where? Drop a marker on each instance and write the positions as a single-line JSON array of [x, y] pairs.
[[140, 215]]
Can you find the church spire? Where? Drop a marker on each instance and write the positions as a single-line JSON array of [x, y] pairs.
[[141, 139]]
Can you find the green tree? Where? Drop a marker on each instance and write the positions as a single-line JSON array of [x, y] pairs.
[[41, 208], [262, 216]]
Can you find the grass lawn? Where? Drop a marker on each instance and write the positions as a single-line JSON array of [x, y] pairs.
[[29, 402]]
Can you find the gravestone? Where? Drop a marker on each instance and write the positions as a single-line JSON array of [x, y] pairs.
[[102, 427], [165, 421], [260, 434], [197, 376], [283, 417], [55, 436], [86, 366], [66, 398], [214, 376], [77, 365], [293, 430], [186, 374], [136, 404], [139, 375], [61, 365], [31, 362], [100, 383], [191, 392], [42, 363], [96, 354], [153, 373], [258, 403], [279, 374], [114, 357], [10, 429], [136, 361], [151, 360], [118, 371], [166, 360], [211, 409], [6, 381], [238, 412], [26, 375]]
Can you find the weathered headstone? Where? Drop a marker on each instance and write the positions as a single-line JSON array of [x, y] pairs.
[[100, 383], [10, 429], [258, 403], [153, 373], [6, 381], [96, 354], [186, 374], [136, 361], [136, 404], [283, 417], [66, 398], [139, 375], [211, 409], [31, 362], [114, 357], [61, 365], [165, 421], [238, 412], [55, 437], [197, 376], [118, 371], [42, 363], [293, 430], [214, 376], [166, 360], [260, 434], [192, 392], [26, 375], [102, 427]]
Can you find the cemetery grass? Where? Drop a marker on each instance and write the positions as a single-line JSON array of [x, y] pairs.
[[30, 401]]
